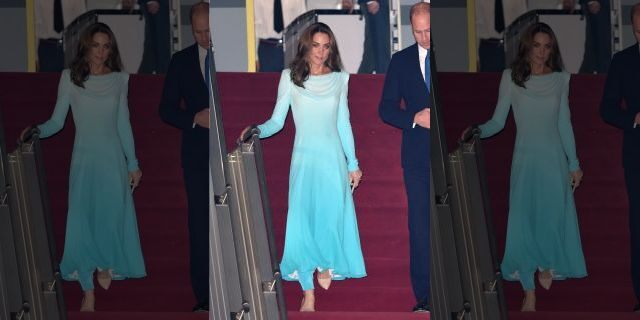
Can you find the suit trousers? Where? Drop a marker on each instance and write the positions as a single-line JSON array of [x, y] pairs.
[[270, 55], [632, 179], [50, 55], [492, 56], [377, 40], [196, 182], [157, 41], [417, 185]]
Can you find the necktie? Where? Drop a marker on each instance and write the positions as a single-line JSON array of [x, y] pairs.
[[499, 16], [207, 69], [278, 20], [58, 24], [427, 72]]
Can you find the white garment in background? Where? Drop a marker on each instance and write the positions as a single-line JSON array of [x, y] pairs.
[[323, 4], [71, 9], [263, 11], [485, 16]]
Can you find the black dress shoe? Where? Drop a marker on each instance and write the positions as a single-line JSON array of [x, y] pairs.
[[421, 307], [201, 307], [636, 308]]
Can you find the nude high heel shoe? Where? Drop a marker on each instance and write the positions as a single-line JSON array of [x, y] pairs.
[[104, 279], [545, 278], [324, 279]]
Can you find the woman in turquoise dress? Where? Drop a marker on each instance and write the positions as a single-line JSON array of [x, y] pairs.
[[322, 231], [542, 229], [102, 232]]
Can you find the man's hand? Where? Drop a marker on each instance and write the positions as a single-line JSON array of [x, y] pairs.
[[636, 121], [423, 118], [128, 5], [594, 7], [373, 7], [153, 7], [202, 118], [347, 5]]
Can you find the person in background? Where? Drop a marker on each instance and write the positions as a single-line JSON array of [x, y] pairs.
[[492, 19], [157, 36], [597, 46], [51, 17], [569, 6], [271, 17], [377, 36]]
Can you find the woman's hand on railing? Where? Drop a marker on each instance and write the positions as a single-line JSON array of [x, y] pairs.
[[27, 133], [247, 133], [468, 133]]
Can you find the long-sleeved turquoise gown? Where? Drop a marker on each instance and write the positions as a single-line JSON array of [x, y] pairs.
[[542, 229], [321, 231], [102, 231]]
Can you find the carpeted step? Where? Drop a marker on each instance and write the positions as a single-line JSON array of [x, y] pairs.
[[75, 315], [293, 315]]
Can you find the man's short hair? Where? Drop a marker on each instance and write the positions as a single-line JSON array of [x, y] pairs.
[[635, 9], [199, 8], [419, 8]]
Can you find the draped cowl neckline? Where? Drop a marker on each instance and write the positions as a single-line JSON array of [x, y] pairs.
[[104, 84], [542, 85], [321, 85]]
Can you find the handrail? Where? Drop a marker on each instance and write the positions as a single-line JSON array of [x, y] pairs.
[[246, 136], [29, 136]]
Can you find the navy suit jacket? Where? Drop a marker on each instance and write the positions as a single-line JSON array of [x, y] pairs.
[[404, 82], [622, 85], [184, 94]]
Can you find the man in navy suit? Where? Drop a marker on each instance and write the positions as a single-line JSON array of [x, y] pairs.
[[185, 105], [408, 80], [622, 85]]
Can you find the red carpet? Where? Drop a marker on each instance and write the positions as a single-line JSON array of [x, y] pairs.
[[385, 293], [601, 199], [466, 98], [160, 200], [381, 206]]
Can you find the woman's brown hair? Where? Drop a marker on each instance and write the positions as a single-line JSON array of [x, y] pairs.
[[80, 65], [521, 66], [300, 66]]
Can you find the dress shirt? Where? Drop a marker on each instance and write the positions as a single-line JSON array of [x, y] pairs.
[[71, 9], [263, 11], [635, 124], [485, 16], [422, 55], [202, 56]]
